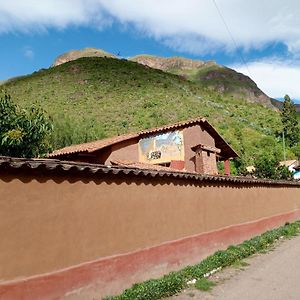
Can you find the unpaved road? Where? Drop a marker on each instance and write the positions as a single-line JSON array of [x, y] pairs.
[[271, 276]]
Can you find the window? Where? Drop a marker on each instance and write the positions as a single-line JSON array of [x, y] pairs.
[[166, 164]]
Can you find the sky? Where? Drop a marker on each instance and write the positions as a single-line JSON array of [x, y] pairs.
[[260, 38]]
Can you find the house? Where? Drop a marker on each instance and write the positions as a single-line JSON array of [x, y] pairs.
[[293, 166], [192, 146], [290, 164]]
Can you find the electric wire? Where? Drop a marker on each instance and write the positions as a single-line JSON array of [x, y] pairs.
[[231, 36]]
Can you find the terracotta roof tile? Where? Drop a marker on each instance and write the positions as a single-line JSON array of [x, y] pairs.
[[92, 146], [52, 166]]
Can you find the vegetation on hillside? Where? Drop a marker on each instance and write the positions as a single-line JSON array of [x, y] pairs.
[[92, 98], [290, 122]]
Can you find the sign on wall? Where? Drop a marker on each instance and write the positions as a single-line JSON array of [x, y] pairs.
[[162, 148]]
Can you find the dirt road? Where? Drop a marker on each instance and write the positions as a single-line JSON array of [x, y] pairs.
[[271, 276]]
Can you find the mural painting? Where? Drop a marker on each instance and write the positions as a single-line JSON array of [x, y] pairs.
[[162, 148]]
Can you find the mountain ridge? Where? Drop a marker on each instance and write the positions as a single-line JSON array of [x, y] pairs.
[[76, 54], [208, 74]]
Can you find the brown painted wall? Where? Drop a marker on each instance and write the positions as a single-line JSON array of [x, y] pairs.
[[193, 136], [209, 163], [50, 223], [127, 150]]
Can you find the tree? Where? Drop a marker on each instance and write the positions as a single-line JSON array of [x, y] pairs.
[[296, 151], [283, 173], [240, 166], [23, 133], [267, 166], [290, 122]]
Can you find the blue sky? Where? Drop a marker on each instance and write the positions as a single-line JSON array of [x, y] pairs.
[[259, 38]]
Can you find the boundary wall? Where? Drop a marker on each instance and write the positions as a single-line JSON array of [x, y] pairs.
[[83, 231]]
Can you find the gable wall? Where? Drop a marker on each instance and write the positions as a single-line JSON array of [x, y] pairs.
[[127, 150], [193, 136]]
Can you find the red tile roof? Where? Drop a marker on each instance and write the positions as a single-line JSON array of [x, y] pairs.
[[40, 167], [90, 147], [142, 166]]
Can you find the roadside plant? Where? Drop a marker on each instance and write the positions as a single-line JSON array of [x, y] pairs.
[[174, 282]]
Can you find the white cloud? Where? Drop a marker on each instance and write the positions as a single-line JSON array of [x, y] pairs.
[[190, 25], [275, 77], [251, 23], [28, 52], [33, 15]]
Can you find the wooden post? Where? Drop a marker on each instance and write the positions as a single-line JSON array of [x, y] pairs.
[[227, 167]]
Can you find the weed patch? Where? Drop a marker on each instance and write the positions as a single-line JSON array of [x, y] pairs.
[[204, 284], [239, 264]]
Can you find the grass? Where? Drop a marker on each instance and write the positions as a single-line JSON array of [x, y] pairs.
[[92, 98], [175, 282], [241, 264], [204, 284]]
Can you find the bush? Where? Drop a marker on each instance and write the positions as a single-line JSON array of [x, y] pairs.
[[23, 133], [283, 173], [266, 166]]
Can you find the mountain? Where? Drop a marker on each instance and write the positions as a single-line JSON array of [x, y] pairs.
[[96, 97], [209, 75], [170, 64], [75, 54]]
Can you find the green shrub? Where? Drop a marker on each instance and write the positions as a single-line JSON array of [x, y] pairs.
[[204, 284], [23, 133]]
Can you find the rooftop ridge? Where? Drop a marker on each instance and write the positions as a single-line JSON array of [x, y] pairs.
[[50, 165]]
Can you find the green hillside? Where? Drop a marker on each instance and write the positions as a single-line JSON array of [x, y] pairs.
[[92, 98]]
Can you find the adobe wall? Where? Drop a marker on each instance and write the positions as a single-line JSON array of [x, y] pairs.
[[192, 136], [126, 150], [63, 235]]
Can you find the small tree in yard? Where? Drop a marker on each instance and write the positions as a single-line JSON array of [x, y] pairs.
[[290, 122], [23, 133], [267, 166], [241, 167], [284, 173]]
